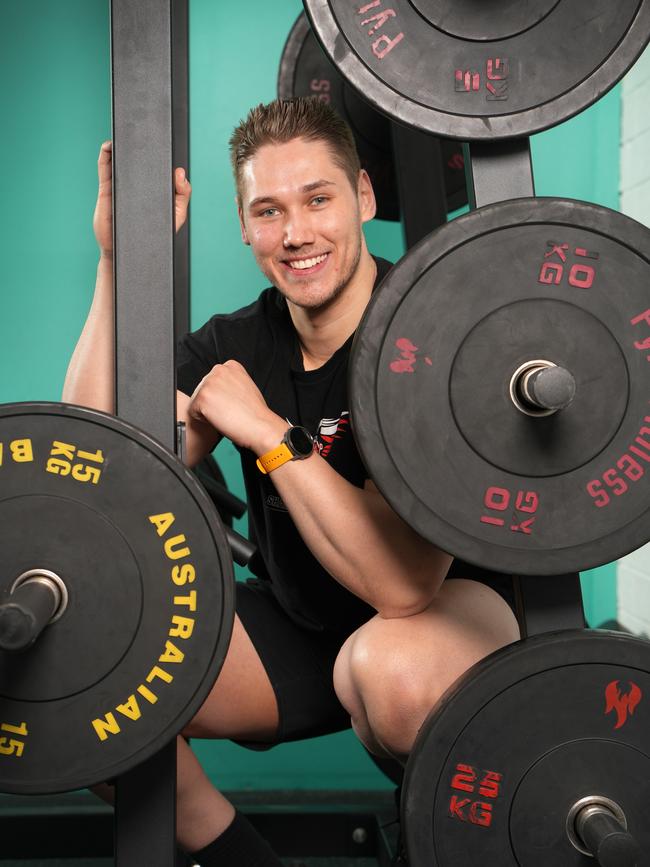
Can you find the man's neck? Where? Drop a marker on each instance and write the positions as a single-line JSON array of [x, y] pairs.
[[321, 332]]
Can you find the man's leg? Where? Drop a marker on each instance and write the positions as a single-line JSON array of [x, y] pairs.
[[390, 673], [241, 705], [276, 684]]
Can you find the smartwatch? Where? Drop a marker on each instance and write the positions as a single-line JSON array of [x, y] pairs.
[[297, 444]]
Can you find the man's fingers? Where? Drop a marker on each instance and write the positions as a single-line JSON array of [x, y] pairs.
[[183, 191], [105, 167], [182, 184], [104, 162]]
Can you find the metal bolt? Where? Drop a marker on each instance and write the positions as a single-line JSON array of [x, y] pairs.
[[359, 835]]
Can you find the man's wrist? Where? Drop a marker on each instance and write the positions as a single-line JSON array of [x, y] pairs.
[[296, 444], [270, 436]]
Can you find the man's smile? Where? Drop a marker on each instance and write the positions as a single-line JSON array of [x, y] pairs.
[[306, 264]]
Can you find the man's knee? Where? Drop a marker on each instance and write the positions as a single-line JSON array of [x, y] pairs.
[[396, 670], [396, 688]]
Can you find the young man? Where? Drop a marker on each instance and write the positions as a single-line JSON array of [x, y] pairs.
[[351, 616]]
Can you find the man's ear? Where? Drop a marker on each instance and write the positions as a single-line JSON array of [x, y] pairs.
[[366, 197], [242, 227]]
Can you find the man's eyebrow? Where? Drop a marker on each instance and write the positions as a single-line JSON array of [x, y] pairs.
[[316, 184], [308, 188]]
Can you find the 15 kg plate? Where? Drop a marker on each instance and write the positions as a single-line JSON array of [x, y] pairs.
[[306, 71], [431, 368], [149, 578], [481, 70]]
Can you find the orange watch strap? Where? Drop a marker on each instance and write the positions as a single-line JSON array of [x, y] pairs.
[[270, 461]]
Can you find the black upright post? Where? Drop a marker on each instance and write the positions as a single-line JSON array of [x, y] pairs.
[[143, 207], [548, 603], [419, 172], [496, 171], [181, 151]]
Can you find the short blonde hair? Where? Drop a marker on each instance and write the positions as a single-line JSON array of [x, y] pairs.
[[282, 120]]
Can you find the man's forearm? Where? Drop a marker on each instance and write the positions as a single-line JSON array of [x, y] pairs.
[[90, 377], [361, 542]]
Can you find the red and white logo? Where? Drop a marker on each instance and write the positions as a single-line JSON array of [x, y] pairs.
[[330, 430]]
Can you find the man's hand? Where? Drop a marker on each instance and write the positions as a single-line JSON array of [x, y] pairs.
[[228, 399], [103, 218]]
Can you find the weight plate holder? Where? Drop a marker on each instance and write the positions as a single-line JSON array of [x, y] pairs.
[[305, 70], [474, 70], [532, 280], [150, 608], [519, 741]]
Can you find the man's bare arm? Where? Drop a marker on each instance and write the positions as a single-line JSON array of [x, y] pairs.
[[352, 531], [200, 437], [90, 378], [360, 540]]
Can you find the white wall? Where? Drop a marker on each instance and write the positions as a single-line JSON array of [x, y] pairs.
[[635, 141], [634, 570]]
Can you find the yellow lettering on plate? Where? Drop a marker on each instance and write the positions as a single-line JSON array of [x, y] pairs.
[[106, 726], [163, 522]]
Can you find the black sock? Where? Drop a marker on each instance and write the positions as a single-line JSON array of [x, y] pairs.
[[238, 846]]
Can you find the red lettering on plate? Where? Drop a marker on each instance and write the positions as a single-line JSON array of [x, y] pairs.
[[456, 807], [631, 469], [642, 344], [466, 80], [464, 809], [580, 275], [496, 79], [384, 44], [321, 87], [498, 499], [464, 778]]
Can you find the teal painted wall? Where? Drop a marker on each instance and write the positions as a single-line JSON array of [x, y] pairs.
[[56, 111]]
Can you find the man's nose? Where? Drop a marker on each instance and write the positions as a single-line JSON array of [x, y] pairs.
[[298, 230]]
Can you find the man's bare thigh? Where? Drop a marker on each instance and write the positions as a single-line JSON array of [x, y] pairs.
[[242, 703]]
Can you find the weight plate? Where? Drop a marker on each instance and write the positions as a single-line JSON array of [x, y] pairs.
[[521, 738], [477, 70], [148, 572], [431, 367], [306, 71]]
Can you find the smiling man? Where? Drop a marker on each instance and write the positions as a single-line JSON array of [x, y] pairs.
[[352, 618]]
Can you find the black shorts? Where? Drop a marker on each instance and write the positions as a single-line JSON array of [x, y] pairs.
[[300, 662]]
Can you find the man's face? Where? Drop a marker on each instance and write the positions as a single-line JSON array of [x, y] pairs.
[[303, 219]]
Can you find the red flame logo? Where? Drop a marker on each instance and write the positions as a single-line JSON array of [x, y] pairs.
[[622, 703], [406, 364]]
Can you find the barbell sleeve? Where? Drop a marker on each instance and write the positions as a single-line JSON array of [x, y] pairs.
[[606, 838], [222, 497], [242, 550], [27, 611], [550, 388]]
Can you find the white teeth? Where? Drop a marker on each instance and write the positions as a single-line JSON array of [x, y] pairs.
[[301, 264]]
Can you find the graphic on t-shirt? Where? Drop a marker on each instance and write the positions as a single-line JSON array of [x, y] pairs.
[[274, 502], [329, 430]]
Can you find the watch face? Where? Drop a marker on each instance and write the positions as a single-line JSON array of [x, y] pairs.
[[300, 441]]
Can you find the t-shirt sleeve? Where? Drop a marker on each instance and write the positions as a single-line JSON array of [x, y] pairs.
[[196, 355]]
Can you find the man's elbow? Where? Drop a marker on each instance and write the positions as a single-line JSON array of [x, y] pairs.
[[408, 601]]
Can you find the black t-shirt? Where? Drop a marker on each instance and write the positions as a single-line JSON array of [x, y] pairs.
[[262, 338]]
